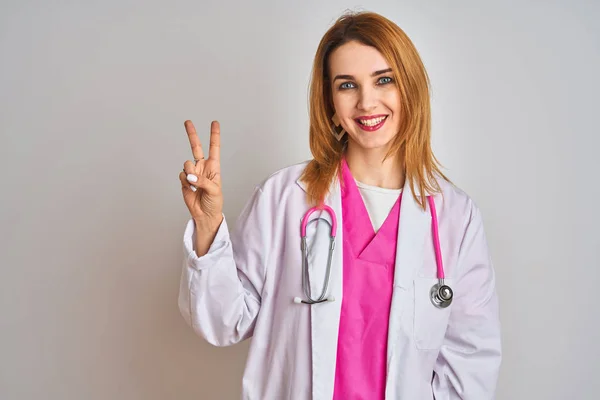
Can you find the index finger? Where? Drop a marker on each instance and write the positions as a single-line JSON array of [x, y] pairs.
[[194, 140], [214, 151]]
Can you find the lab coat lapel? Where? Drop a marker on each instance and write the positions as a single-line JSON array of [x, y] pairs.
[[325, 316], [412, 230], [413, 227]]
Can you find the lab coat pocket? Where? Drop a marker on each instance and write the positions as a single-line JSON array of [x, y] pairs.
[[430, 322]]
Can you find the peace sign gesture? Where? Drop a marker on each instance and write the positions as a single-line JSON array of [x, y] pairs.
[[201, 178]]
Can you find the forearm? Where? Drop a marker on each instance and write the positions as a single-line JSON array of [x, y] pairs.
[[218, 302], [205, 230]]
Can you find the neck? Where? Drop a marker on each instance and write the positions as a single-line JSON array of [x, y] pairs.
[[367, 166]]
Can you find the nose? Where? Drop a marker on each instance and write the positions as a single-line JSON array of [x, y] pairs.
[[367, 100]]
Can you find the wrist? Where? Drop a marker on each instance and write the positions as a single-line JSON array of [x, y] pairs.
[[208, 224]]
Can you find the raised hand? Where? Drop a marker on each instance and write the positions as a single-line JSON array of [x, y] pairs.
[[201, 178]]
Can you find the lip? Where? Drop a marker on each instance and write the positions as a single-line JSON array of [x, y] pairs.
[[370, 128]]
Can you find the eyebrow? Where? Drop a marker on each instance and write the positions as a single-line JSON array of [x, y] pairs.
[[383, 71]]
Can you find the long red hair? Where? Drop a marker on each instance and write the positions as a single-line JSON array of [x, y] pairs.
[[412, 143]]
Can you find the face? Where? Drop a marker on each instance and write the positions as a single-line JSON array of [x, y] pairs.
[[365, 96]]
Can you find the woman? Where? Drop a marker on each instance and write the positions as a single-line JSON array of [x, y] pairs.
[[376, 332]]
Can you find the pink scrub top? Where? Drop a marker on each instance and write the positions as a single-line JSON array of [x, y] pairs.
[[368, 276]]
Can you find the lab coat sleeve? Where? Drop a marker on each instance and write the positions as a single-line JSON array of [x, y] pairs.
[[220, 292], [468, 364]]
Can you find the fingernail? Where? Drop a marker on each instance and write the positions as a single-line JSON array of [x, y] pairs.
[[192, 178], [193, 188]]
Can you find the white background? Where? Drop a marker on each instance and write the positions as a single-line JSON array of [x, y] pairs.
[[92, 103]]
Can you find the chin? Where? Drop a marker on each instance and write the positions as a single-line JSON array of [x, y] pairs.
[[373, 142]]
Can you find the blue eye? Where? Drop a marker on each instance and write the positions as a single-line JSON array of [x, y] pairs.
[[384, 80], [347, 85]]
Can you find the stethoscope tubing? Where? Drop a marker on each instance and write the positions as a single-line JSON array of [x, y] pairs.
[[441, 295]]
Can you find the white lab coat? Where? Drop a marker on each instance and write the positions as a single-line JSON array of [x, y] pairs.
[[245, 285]]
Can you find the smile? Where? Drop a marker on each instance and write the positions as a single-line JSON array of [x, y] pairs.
[[371, 123]]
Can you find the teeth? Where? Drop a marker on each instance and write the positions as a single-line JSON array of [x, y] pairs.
[[371, 122]]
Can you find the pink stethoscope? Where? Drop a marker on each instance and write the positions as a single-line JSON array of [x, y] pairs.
[[440, 294]]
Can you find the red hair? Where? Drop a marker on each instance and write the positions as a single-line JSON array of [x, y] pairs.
[[412, 143]]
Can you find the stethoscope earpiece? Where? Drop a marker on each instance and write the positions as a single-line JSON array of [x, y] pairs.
[[323, 297], [441, 295]]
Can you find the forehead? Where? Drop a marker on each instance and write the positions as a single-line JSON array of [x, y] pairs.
[[354, 58]]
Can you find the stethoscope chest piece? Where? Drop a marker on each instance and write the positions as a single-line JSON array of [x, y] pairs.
[[441, 295]]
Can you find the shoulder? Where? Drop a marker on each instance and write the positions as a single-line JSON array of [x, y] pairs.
[[455, 202], [283, 179], [272, 195], [278, 189]]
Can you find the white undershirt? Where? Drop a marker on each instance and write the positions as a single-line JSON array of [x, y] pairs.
[[378, 201]]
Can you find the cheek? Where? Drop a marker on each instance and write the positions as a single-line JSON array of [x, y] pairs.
[[343, 104], [392, 101]]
